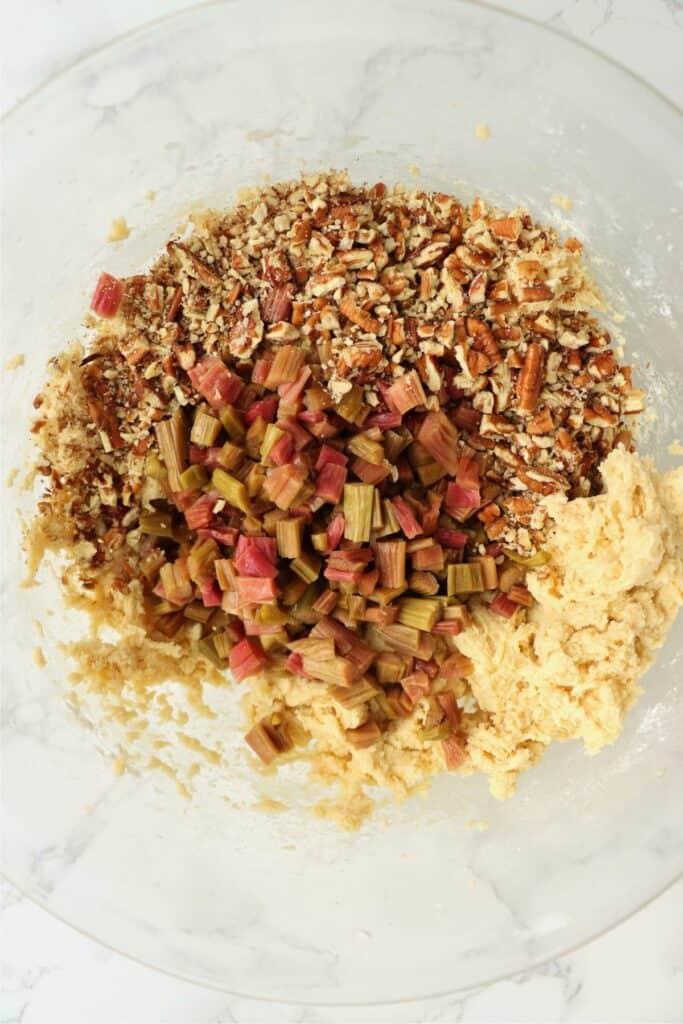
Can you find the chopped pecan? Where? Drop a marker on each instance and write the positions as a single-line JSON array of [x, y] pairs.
[[537, 293], [507, 227], [541, 423], [276, 267], [430, 253], [603, 366], [174, 304], [133, 348], [599, 416], [358, 316], [276, 305], [194, 266], [530, 379]]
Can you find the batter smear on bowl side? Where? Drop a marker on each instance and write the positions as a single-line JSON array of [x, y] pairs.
[[367, 454]]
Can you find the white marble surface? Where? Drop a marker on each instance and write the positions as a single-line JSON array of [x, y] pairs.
[[50, 972]]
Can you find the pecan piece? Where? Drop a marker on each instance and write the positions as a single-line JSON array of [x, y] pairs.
[[174, 304], [245, 335], [277, 268], [276, 304], [603, 366], [357, 315], [541, 423], [537, 293], [507, 227], [530, 379], [133, 348], [430, 253], [599, 416], [362, 356], [194, 266], [477, 291], [484, 340]]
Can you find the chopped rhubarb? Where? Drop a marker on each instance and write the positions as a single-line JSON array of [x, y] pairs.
[[390, 558], [282, 451], [205, 430], [416, 685], [264, 410], [384, 420], [215, 383], [289, 537], [259, 375], [431, 667], [451, 538], [266, 742], [335, 530], [286, 366], [199, 515], [449, 706], [253, 590], [467, 473], [291, 392], [406, 393], [221, 534], [300, 436], [364, 735], [211, 593], [406, 518], [171, 436], [448, 627], [356, 694], [383, 616], [209, 457], [520, 595], [305, 416], [200, 560], [322, 428], [183, 499], [346, 641], [351, 557], [330, 483], [295, 664], [262, 628], [246, 658], [462, 501], [419, 612], [367, 584], [454, 753], [358, 506], [326, 603], [176, 583], [335, 669], [284, 485], [330, 455], [456, 666], [438, 435], [431, 558], [107, 296], [369, 472], [502, 605], [256, 556]]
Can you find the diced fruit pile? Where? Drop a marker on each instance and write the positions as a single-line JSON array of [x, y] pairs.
[[325, 425]]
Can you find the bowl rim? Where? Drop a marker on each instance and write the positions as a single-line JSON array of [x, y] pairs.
[[8, 117], [153, 23], [534, 965]]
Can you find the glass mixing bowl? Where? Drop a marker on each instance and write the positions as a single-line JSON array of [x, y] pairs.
[[285, 906]]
